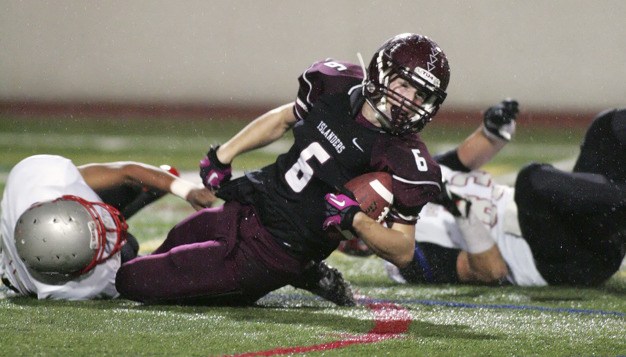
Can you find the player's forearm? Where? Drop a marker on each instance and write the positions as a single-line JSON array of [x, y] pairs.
[[488, 266], [156, 178], [112, 175], [145, 175], [115, 174], [478, 149], [262, 131], [392, 245]]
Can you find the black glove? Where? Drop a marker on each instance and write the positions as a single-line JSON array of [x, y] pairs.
[[455, 204], [499, 120], [212, 172]]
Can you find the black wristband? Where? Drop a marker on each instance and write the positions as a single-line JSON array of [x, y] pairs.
[[452, 161], [212, 155], [348, 218]]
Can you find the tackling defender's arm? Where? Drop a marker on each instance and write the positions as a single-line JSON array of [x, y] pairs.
[[115, 174], [480, 259], [478, 149], [484, 267], [486, 141]]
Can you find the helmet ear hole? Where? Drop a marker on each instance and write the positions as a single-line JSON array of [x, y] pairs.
[[370, 88]]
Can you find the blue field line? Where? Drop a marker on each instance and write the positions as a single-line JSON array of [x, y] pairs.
[[490, 306], [461, 305]]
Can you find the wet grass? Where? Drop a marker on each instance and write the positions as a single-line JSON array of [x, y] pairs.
[[446, 320]]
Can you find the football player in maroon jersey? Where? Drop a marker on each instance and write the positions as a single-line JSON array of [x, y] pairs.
[[279, 223]]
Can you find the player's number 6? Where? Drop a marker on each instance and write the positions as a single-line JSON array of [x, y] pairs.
[[301, 172]]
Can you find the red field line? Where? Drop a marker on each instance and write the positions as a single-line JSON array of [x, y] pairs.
[[391, 321]]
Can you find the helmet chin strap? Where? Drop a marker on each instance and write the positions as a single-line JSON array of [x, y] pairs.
[[378, 110], [358, 55]]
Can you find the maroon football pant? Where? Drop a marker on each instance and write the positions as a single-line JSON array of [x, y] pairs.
[[219, 255]]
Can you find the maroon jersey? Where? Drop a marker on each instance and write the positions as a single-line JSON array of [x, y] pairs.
[[333, 143]]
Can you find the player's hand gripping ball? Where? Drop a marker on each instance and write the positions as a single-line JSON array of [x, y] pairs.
[[371, 193]]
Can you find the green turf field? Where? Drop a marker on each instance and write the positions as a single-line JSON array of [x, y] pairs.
[[390, 320]]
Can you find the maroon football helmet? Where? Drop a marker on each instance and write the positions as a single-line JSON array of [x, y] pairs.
[[419, 61]]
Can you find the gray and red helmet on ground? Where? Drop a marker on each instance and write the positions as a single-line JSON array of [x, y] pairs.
[[419, 61], [68, 236]]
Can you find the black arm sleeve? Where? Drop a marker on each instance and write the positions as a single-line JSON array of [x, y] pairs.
[[432, 264], [451, 160], [129, 199]]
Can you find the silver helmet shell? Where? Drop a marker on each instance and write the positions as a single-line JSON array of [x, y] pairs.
[[64, 236]]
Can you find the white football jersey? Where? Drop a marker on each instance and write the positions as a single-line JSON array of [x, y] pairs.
[[43, 178], [493, 204]]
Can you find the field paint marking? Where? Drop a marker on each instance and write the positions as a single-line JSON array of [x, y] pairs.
[[391, 322]]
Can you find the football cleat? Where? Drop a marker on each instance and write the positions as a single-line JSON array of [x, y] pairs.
[[328, 283]]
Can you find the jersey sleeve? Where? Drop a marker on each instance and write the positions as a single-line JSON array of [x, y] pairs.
[[451, 159], [416, 176], [324, 77], [432, 264]]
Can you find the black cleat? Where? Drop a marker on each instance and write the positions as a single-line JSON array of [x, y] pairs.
[[328, 283]]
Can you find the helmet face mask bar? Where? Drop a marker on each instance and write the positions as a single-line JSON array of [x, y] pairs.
[[421, 64], [67, 237]]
